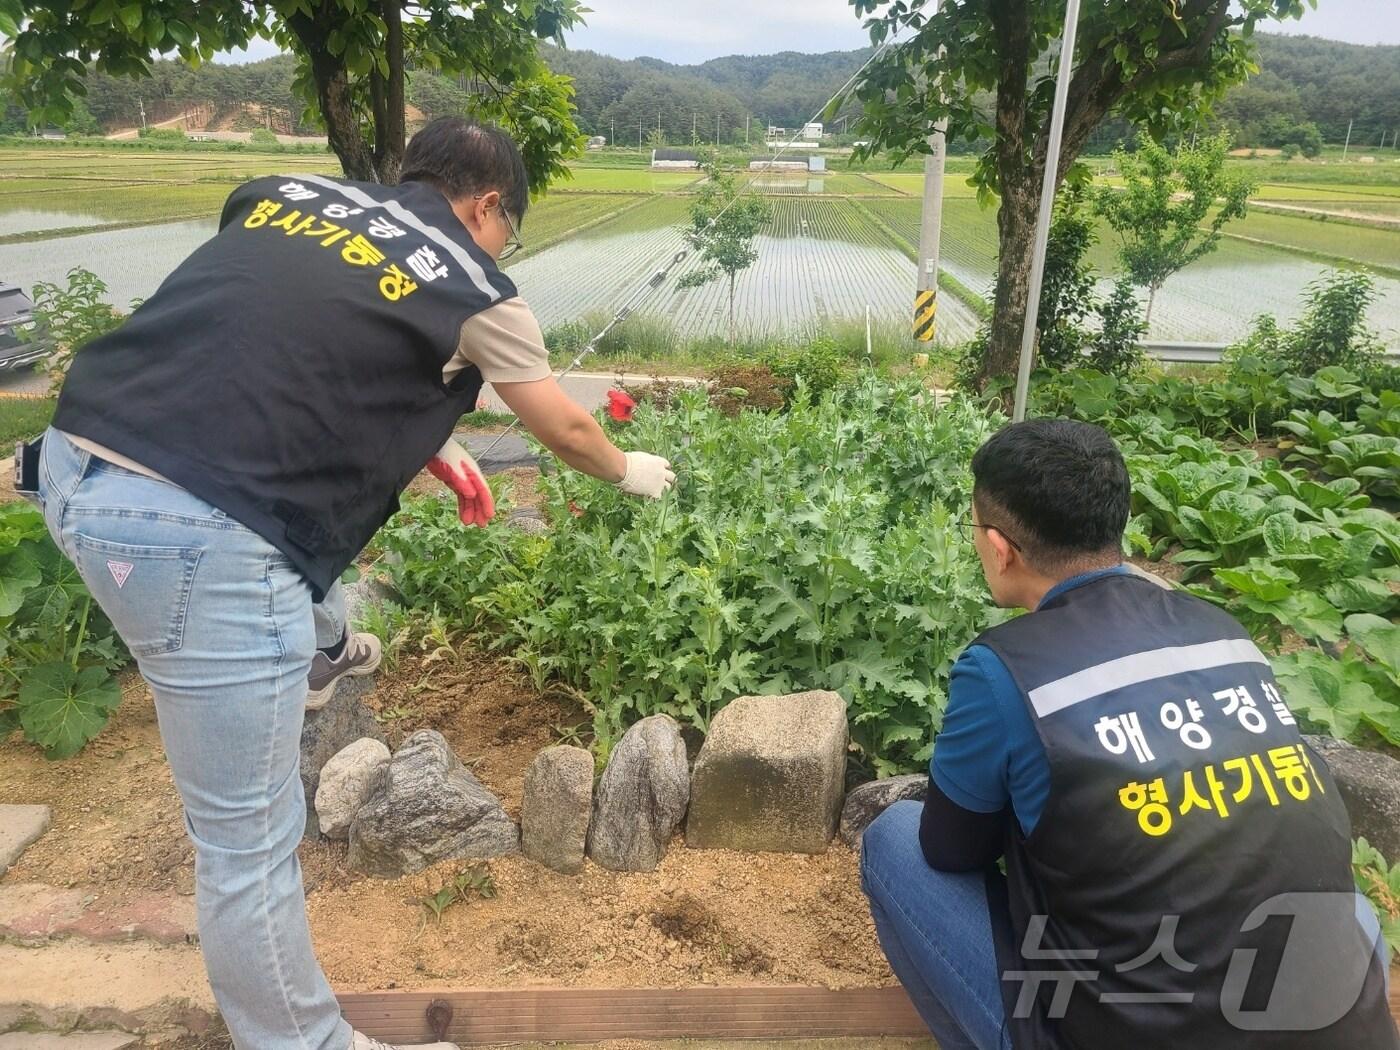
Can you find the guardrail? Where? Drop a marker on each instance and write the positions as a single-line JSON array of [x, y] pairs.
[[1204, 353]]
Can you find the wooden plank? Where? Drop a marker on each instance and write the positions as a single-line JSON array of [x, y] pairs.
[[502, 1015]]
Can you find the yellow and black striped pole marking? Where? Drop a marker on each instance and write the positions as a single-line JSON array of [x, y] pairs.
[[925, 306]]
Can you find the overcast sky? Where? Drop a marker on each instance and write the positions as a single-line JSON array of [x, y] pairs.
[[689, 31]]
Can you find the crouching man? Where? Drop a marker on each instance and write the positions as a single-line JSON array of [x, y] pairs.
[[1177, 860]]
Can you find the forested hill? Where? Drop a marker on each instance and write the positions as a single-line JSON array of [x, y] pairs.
[[1308, 89], [1302, 79]]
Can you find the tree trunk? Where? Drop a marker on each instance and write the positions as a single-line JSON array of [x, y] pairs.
[[731, 309], [1151, 298], [389, 108], [1016, 246], [1011, 26], [334, 97]]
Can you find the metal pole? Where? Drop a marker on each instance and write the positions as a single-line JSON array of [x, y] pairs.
[[1047, 204], [1346, 145], [930, 229]]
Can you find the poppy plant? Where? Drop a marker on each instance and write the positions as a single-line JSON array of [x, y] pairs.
[[620, 406]]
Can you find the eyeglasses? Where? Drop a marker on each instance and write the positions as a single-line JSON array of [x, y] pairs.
[[515, 243], [969, 525]]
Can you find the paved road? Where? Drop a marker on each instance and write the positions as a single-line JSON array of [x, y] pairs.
[[589, 389], [511, 452], [23, 381]]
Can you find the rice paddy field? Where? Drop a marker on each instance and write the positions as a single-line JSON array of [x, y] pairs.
[[838, 243]]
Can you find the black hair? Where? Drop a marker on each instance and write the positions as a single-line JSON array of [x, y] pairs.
[[1058, 487], [461, 158]]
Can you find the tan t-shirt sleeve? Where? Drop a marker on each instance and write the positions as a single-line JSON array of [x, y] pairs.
[[505, 342]]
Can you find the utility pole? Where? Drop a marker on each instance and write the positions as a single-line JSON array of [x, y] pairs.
[[612, 132], [1346, 145], [694, 125], [747, 117], [930, 228], [716, 131], [142, 103]]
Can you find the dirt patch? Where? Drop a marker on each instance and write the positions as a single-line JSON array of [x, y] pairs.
[[494, 719], [1166, 568], [705, 916], [523, 487], [117, 821]]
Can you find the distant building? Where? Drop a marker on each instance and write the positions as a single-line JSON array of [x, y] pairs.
[[784, 165], [816, 164], [58, 135], [597, 142], [813, 132], [675, 158]]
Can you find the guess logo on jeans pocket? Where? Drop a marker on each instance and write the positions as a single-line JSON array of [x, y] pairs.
[[120, 570]]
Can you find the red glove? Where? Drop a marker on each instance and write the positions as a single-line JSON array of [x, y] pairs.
[[459, 472]]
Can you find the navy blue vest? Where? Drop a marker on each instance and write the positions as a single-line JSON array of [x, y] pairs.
[[289, 372], [1188, 830]]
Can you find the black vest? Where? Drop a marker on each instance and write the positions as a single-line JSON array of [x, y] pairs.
[[289, 372], [1182, 803]]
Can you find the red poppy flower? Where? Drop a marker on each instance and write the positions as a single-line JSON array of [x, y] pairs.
[[620, 406]]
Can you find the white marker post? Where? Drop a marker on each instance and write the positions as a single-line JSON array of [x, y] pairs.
[[1047, 206]]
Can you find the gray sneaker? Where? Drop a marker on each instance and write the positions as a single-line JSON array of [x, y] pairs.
[[360, 656], [364, 1042]]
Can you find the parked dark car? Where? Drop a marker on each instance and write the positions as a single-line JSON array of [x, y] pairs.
[[17, 322]]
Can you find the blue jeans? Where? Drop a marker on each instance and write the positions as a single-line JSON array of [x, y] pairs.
[[936, 930], [223, 629]]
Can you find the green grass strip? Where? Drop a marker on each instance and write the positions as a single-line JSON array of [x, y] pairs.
[[106, 227], [978, 304], [597, 220], [22, 418], [1317, 256]]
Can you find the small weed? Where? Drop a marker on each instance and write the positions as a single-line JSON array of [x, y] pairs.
[[473, 883]]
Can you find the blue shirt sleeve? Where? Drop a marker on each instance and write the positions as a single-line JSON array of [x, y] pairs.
[[970, 758], [988, 752]]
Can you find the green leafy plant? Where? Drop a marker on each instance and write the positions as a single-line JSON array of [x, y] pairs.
[[723, 224], [57, 650], [1384, 416], [1332, 329], [1341, 696], [1314, 430], [816, 548], [1379, 639], [1380, 882], [1116, 347], [473, 883], [70, 317], [1171, 207], [1067, 294]]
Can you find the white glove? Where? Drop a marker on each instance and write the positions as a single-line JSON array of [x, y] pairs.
[[647, 475]]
